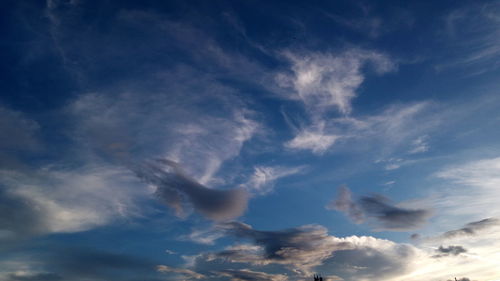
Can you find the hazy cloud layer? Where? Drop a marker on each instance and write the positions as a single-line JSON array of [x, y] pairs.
[[55, 199], [249, 275], [386, 215], [189, 274], [178, 191]]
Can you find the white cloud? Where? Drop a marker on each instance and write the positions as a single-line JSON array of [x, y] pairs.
[[474, 189], [131, 127], [185, 272], [325, 81], [420, 145], [317, 142], [72, 200], [263, 179]]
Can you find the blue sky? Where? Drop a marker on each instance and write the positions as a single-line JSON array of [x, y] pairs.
[[249, 140]]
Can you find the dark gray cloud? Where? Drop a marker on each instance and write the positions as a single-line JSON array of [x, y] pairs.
[[381, 209], [306, 249], [178, 191], [302, 247], [449, 251], [345, 203], [249, 275], [472, 228]]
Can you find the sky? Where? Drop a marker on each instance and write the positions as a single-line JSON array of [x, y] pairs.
[[249, 140]]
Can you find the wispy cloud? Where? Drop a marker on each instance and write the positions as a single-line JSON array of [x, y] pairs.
[[249, 275], [326, 83], [99, 195], [478, 22], [182, 271], [264, 177]]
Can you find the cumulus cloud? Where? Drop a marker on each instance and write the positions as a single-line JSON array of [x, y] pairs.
[[379, 208], [307, 247], [249, 275], [176, 190]]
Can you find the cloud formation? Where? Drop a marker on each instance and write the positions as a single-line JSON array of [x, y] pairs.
[[472, 228], [326, 81], [249, 275], [379, 208], [305, 248], [178, 191], [54, 199], [189, 274], [263, 179], [449, 251]]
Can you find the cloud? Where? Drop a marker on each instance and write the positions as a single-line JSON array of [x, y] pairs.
[[127, 127], [299, 248], [307, 249], [323, 81], [420, 145], [81, 264], [394, 129], [316, 141], [249, 275], [386, 215], [449, 251], [326, 83], [34, 277], [482, 176], [204, 236], [479, 23], [182, 271], [55, 199], [471, 229], [176, 189], [345, 203], [263, 179]]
